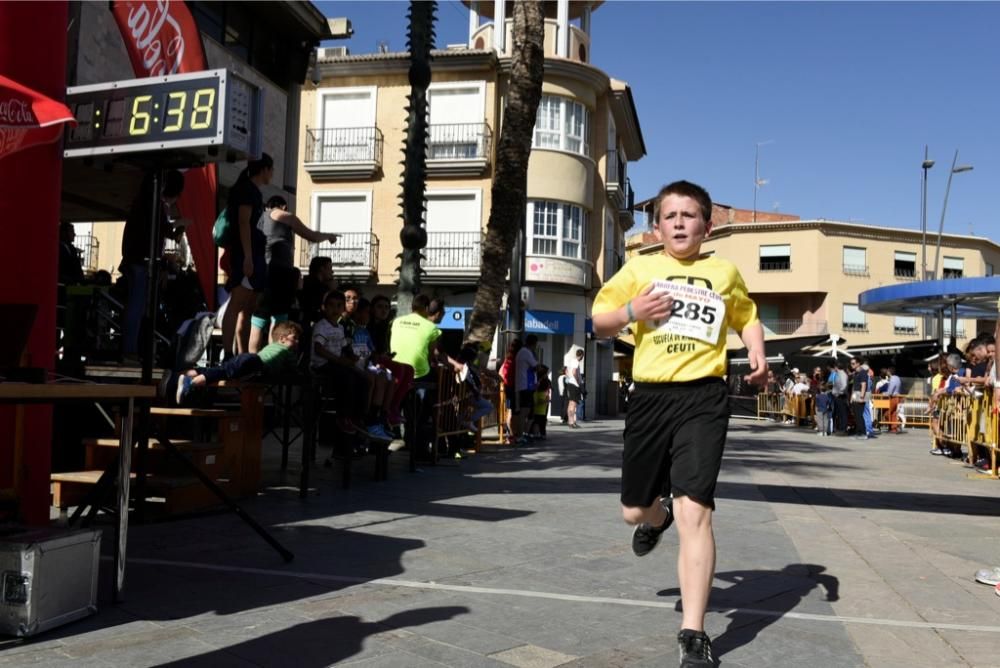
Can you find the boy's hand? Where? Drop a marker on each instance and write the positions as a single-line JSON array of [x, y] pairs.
[[649, 306], [758, 368]]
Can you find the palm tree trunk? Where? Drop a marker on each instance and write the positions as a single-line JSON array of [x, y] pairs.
[[510, 182]]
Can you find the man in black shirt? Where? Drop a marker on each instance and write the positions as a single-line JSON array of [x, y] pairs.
[[136, 247]]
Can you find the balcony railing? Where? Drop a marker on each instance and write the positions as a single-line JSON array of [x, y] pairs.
[[784, 327], [905, 274], [354, 253], [349, 152], [779, 265], [88, 247], [905, 331], [855, 326], [459, 141], [616, 179], [855, 270], [453, 251]]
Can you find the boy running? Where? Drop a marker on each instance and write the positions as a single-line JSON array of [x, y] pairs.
[[679, 305]]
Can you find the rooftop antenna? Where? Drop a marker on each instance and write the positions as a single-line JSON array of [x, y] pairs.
[[757, 181], [383, 46]]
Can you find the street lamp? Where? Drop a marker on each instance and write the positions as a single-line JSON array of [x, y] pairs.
[[927, 164], [954, 170]]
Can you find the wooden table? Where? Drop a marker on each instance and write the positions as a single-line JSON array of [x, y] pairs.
[[58, 393]]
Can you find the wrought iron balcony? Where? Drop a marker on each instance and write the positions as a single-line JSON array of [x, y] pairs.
[[776, 265], [88, 247], [354, 254], [856, 270], [615, 179], [450, 254], [343, 152], [794, 326], [855, 326], [459, 149]]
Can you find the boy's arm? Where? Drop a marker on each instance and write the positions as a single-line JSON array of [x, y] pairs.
[[753, 338], [644, 307], [300, 228]]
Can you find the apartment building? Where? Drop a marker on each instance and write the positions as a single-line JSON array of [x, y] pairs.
[[806, 275], [579, 198]]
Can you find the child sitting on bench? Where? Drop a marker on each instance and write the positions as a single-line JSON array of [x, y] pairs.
[[274, 359]]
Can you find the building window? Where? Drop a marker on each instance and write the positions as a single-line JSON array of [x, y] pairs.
[[854, 319], [562, 124], [556, 229], [456, 121], [776, 258], [454, 229], [855, 261], [904, 325], [349, 214], [905, 265], [953, 267], [989, 269], [959, 329]]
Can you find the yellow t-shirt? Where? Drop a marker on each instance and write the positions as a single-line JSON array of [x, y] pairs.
[[663, 357]]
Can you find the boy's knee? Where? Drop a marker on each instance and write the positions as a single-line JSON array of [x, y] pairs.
[[632, 515]]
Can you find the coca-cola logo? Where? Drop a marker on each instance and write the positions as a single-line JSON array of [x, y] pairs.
[[16, 112], [156, 36]]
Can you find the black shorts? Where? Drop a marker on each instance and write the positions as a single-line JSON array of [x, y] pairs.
[[525, 399], [675, 434], [572, 392]]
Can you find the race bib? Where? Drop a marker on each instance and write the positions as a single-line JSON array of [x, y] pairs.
[[697, 313]]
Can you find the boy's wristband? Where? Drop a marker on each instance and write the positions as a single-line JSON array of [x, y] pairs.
[[629, 312]]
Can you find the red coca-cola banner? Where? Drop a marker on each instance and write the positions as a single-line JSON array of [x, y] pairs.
[[28, 118], [161, 37]]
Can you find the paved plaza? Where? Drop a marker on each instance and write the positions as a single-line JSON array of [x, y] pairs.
[[832, 553]]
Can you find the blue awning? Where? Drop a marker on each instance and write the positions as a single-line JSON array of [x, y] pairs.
[[971, 297]]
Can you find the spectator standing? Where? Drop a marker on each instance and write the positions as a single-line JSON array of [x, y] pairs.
[[573, 384], [860, 383], [70, 269], [315, 285], [893, 388], [525, 366], [543, 395], [247, 249], [136, 246], [279, 228], [507, 378], [839, 385], [824, 410]]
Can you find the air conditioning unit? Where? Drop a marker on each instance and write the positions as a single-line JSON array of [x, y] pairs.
[[332, 52]]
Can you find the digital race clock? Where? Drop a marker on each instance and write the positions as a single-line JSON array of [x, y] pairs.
[[212, 115]]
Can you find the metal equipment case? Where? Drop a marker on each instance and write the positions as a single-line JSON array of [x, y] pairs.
[[48, 577]]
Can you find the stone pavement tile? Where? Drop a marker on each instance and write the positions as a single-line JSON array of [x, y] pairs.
[[976, 648], [144, 649], [529, 656], [445, 653], [393, 660], [42, 657]]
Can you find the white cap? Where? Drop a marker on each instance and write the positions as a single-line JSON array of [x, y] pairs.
[[795, 370]]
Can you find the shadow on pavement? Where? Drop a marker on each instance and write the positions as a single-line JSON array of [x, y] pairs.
[[323, 642], [761, 598]]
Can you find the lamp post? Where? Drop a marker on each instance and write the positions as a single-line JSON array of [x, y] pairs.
[[944, 207], [927, 164]]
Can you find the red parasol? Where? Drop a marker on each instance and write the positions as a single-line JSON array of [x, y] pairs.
[[28, 118]]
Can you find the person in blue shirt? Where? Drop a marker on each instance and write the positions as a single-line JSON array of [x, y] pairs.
[[824, 410], [894, 389]]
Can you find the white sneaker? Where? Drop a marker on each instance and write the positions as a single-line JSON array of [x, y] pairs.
[[989, 576]]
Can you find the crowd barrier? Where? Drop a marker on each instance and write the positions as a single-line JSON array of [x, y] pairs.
[[899, 411], [970, 421], [963, 420]]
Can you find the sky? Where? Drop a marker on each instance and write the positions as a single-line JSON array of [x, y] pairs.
[[843, 97]]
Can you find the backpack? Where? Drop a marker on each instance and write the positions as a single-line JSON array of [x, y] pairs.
[[220, 230]]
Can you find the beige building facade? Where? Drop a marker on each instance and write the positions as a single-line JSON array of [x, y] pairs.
[[579, 199], [806, 275]]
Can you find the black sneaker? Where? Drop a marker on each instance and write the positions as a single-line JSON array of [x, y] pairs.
[[695, 649], [645, 537]]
